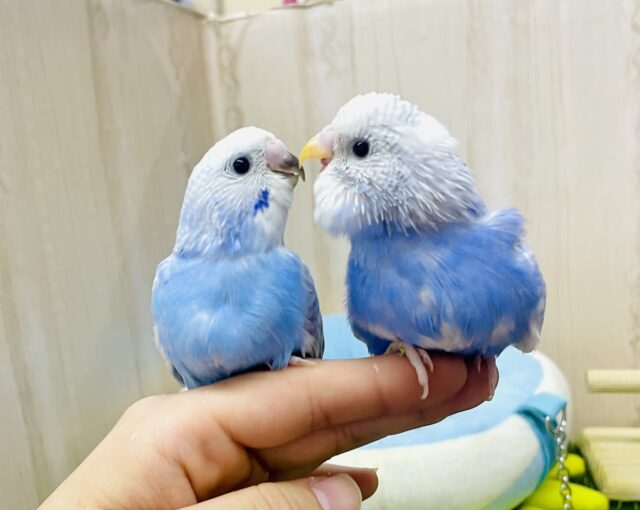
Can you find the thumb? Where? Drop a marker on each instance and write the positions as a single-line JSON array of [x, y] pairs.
[[338, 492]]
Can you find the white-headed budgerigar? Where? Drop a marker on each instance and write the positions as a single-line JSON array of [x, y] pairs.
[[430, 267], [231, 297]]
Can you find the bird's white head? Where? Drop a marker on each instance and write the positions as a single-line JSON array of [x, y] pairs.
[[238, 196], [388, 165]]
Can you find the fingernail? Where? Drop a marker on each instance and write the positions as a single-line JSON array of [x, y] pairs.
[[337, 492], [493, 384], [492, 390]]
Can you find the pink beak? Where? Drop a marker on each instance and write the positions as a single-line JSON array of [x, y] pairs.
[[280, 160]]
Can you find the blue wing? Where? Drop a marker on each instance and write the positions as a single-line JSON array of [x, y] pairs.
[[470, 288], [216, 318], [314, 336]]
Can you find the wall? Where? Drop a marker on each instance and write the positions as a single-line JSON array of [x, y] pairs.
[[103, 112], [105, 107], [545, 100]]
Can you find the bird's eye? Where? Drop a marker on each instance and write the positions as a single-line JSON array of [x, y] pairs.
[[360, 148], [241, 165]]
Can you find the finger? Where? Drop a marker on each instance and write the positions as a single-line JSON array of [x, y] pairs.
[[366, 478], [328, 394], [478, 385], [233, 418], [302, 455], [338, 492]]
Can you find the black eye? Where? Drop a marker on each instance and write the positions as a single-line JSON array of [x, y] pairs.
[[360, 148], [241, 165]]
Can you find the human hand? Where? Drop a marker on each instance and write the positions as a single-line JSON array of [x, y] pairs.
[[258, 440]]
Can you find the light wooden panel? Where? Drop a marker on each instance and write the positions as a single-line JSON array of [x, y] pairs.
[[544, 97], [105, 107], [103, 112]]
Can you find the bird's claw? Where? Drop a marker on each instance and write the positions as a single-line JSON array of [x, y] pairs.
[[491, 368], [297, 361], [419, 359]]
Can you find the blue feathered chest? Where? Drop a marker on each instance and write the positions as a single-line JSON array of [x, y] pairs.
[[469, 288], [215, 318]]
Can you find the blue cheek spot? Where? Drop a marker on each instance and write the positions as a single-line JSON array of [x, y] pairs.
[[262, 202]]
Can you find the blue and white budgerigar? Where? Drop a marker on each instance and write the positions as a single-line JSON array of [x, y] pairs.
[[231, 297], [430, 267]]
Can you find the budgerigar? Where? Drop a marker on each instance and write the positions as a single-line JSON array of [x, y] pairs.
[[430, 267], [231, 297]]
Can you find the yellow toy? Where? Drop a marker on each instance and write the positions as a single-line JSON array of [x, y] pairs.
[[547, 496], [575, 464]]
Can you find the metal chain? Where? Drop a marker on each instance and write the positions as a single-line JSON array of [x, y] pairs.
[[559, 433]]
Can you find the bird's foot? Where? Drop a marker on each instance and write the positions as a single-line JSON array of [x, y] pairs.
[[395, 346], [493, 371], [426, 359], [419, 359], [297, 361]]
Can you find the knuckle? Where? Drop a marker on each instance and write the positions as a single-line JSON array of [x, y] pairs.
[[145, 406], [345, 439], [148, 416], [319, 416]]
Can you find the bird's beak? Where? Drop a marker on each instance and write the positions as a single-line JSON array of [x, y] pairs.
[[280, 160], [319, 147]]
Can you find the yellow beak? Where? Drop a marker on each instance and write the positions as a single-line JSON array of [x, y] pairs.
[[315, 149]]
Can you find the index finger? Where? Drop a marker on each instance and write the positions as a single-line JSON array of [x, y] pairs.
[[267, 409]]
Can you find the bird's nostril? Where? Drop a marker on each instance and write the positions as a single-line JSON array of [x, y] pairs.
[[278, 157]]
